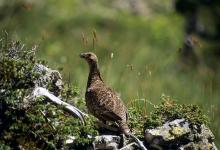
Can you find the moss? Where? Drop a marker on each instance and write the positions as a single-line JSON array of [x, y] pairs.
[[169, 110]]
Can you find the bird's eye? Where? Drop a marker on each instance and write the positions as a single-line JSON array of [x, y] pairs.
[[89, 55]]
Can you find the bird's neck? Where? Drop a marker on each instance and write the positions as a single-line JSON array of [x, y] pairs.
[[94, 74]]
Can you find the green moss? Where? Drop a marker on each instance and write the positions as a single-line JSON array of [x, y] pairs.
[[169, 110]]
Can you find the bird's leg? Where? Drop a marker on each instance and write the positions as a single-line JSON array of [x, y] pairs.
[[103, 124]]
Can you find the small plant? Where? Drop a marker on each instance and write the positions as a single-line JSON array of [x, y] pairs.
[[136, 121], [169, 110]]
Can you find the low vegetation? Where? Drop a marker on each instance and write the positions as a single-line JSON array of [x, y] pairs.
[[41, 123], [44, 125], [138, 48], [168, 110]]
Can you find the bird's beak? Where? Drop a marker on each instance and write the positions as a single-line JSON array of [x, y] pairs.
[[82, 55]]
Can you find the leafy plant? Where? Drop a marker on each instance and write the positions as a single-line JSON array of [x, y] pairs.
[[169, 110], [136, 121]]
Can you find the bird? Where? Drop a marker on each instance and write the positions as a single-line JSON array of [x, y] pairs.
[[101, 100]]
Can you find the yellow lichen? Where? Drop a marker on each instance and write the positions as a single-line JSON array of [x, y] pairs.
[[177, 131]]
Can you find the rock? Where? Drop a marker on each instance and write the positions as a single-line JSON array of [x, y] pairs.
[[180, 134], [107, 142], [113, 142], [50, 79]]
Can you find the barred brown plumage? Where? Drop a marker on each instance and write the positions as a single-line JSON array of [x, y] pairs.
[[102, 101]]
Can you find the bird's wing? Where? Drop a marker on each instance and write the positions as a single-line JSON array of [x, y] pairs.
[[108, 104], [120, 109]]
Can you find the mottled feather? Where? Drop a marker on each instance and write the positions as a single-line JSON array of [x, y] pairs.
[[105, 103]]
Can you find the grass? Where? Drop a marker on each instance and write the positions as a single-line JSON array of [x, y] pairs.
[[145, 49]]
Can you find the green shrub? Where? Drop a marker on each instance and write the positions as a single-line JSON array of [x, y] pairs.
[[169, 110], [41, 125]]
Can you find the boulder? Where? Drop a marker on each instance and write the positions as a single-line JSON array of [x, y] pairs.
[[180, 134]]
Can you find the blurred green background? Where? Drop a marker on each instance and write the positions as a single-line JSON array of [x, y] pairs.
[[138, 44]]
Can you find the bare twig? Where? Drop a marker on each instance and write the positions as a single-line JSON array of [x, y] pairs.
[[140, 144], [48, 120], [39, 91], [127, 146]]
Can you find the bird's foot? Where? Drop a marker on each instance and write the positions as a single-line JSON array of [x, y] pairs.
[[108, 127]]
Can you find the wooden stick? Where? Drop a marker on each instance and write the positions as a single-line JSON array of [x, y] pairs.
[[39, 91]]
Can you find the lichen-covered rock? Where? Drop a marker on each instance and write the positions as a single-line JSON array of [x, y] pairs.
[[47, 78], [104, 142], [113, 142], [50, 79], [107, 142], [180, 134]]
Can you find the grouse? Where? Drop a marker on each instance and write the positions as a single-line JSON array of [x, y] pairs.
[[102, 101]]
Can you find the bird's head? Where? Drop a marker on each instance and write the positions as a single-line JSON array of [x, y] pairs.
[[90, 57]]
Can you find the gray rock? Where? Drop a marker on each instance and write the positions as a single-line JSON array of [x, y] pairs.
[[105, 142], [50, 79], [113, 142], [180, 134], [110, 142]]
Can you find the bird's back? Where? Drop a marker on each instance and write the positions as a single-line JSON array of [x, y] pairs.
[[104, 103]]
